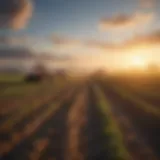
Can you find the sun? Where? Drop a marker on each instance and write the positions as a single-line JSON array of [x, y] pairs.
[[137, 61]]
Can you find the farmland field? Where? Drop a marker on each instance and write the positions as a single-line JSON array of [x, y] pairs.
[[93, 118]]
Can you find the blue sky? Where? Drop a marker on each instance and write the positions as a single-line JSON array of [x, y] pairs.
[[80, 18], [89, 26], [75, 18]]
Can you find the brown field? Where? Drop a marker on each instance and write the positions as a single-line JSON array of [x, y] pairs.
[[112, 118]]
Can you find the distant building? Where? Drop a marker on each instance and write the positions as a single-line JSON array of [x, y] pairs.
[[37, 73]]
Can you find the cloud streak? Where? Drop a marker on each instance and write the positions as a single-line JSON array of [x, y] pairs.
[[147, 40], [66, 41], [76, 43], [122, 21], [147, 3], [16, 53], [15, 14]]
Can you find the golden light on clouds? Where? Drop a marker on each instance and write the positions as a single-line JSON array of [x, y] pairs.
[[15, 14], [22, 18], [147, 3], [122, 21]]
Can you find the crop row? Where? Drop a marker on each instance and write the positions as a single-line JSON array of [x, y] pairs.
[[114, 143], [142, 104], [139, 102], [31, 128]]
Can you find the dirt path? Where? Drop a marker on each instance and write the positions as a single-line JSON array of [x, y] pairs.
[[48, 139], [138, 128], [76, 124]]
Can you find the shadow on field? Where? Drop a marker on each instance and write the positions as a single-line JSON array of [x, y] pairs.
[[57, 132], [96, 135], [146, 124]]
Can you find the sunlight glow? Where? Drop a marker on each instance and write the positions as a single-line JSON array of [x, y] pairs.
[[138, 61]]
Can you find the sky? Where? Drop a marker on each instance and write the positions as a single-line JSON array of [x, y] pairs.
[[113, 33]]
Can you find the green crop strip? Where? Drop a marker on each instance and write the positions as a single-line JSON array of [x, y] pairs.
[[114, 145]]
